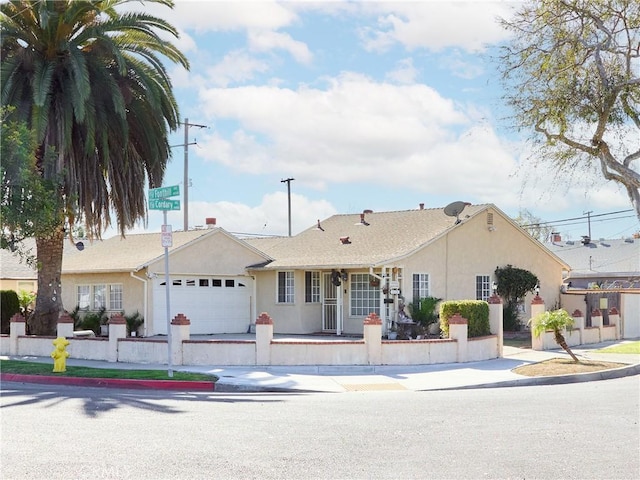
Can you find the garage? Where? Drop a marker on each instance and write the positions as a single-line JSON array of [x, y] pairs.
[[213, 304]]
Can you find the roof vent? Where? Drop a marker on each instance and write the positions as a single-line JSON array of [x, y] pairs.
[[319, 227], [345, 240], [586, 239], [628, 240]]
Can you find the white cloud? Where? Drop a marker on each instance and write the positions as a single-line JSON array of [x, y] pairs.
[[434, 25], [265, 40], [235, 67], [358, 131], [404, 73], [270, 217]]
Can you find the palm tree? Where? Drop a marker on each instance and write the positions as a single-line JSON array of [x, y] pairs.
[[89, 81], [556, 321]]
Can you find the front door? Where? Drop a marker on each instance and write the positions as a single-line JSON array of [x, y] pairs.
[[329, 304]]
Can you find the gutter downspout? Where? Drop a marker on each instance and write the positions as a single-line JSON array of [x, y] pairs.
[[383, 310], [144, 306]]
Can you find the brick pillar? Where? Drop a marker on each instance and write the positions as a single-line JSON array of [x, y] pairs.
[[578, 324], [373, 338], [496, 325], [459, 331], [117, 330], [537, 307], [17, 328], [264, 335], [180, 331], [65, 325], [614, 319]]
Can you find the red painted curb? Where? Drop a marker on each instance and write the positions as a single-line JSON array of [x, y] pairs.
[[110, 382]]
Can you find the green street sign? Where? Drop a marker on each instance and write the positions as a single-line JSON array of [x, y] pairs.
[[164, 192], [163, 204]]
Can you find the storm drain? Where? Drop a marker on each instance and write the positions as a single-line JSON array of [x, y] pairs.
[[370, 387]]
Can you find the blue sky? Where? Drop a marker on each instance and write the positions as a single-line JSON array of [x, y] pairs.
[[367, 105]]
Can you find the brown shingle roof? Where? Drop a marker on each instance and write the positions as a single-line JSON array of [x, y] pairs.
[[388, 236]]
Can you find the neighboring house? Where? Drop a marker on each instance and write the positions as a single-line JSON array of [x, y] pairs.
[[208, 280], [600, 263], [15, 273], [331, 276], [604, 274]]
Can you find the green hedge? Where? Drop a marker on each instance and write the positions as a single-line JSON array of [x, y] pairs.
[[9, 306], [475, 311]]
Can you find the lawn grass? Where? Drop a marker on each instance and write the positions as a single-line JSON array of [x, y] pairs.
[[629, 347], [35, 368]]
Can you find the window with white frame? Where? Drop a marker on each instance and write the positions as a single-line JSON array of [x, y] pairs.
[[83, 297], [483, 287], [420, 286], [285, 287], [115, 297], [95, 297], [312, 287], [364, 297]]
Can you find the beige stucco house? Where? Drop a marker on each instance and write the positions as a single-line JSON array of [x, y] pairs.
[[326, 279], [208, 279], [331, 276], [15, 273]]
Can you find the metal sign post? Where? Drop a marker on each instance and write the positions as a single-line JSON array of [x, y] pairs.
[[158, 201]]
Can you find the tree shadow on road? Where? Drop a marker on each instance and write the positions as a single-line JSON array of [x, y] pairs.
[[97, 401]]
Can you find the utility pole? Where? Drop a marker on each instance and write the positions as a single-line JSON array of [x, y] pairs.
[[288, 182], [186, 168], [588, 214]]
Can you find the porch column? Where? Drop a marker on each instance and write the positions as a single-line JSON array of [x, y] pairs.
[[537, 307], [17, 328], [264, 335], [117, 330], [496, 325], [596, 321], [180, 331], [65, 326], [373, 338], [459, 331]]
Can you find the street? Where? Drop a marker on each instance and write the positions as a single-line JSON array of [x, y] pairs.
[[575, 431]]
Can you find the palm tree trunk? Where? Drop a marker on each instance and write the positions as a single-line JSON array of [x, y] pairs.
[[563, 343], [44, 319]]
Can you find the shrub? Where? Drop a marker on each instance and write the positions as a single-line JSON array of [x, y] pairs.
[[475, 311], [93, 320], [423, 311], [9, 306], [133, 322]]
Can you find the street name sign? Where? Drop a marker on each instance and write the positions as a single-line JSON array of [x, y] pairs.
[[163, 204], [164, 192]]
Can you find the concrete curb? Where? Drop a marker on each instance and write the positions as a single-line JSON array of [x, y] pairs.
[[626, 371], [182, 385]]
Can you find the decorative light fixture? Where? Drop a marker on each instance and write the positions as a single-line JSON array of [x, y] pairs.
[[537, 290], [344, 275], [494, 288]]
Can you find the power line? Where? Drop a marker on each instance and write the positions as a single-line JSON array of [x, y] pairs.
[[583, 219]]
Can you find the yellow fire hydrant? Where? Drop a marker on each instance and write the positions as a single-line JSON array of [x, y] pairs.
[[60, 354]]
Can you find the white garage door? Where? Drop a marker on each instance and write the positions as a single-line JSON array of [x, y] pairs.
[[212, 304]]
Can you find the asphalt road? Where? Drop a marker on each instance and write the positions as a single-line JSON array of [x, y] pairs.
[[575, 431]]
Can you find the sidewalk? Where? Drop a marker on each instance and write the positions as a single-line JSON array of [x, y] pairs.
[[337, 379]]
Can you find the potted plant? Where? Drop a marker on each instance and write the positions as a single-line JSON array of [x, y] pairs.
[[423, 312], [134, 322]]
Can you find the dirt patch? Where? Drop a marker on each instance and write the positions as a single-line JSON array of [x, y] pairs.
[[563, 366]]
